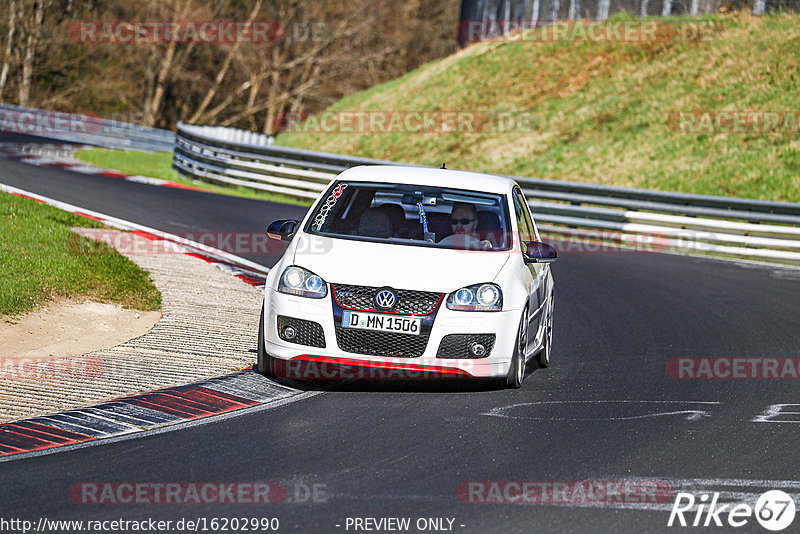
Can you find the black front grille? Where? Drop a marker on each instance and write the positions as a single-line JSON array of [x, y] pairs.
[[308, 332], [408, 301], [374, 343], [457, 345]]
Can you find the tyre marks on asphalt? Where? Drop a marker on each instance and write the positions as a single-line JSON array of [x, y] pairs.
[[139, 413]]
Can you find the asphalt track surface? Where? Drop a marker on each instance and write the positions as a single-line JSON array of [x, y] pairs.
[[605, 409]]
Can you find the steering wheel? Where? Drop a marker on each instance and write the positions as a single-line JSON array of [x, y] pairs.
[[462, 241]]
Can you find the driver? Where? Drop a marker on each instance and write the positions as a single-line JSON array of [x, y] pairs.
[[464, 221]]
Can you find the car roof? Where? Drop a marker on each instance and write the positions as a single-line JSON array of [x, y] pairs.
[[406, 174]]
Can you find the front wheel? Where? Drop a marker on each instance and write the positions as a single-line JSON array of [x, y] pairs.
[[516, 372]]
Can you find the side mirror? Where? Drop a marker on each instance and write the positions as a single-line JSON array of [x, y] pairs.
[[283, 229], [538, 252]]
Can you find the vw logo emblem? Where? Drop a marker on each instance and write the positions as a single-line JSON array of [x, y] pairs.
[[385, 299]]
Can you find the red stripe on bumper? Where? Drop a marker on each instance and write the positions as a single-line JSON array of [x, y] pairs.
[[381, 365]]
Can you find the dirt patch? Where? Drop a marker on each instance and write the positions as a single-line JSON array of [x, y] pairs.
[[67, 328]]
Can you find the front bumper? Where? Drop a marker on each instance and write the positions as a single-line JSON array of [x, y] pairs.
[[502, 324]]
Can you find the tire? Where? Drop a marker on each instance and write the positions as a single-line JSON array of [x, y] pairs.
[[516, 372], [266, 362], [543, 358]]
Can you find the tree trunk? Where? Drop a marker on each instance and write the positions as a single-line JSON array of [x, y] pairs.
[[153, 106], [212, 92], [31, 43], [12, 26], [255, 85]]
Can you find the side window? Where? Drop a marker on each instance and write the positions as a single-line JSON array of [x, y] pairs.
[[526, 210], [523, 219]]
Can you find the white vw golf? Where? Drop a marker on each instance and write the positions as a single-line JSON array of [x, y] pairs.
[[409, 272]]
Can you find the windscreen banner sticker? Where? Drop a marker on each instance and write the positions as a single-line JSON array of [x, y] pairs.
[[327, 206]]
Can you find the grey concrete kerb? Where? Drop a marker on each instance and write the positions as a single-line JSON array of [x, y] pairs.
[[208, 328]]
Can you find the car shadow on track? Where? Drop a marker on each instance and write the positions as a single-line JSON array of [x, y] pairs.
[[395, 385]]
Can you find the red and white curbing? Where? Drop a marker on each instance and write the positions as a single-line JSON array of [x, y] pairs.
[[145, 412], [148, 411]]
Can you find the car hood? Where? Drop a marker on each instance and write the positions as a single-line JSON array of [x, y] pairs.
[[346, 261]]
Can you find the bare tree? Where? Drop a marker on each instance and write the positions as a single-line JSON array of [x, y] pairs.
[[223, 71], [32, 25], [315, 54], [330, 49], [169, 65], [12, 28]]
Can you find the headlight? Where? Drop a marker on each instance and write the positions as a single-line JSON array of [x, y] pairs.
[[480, 297], [302, 282]]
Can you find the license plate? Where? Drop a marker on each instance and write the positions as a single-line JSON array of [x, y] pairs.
[[381, 323]]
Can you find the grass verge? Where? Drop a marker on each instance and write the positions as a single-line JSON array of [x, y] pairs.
[[602, 112], [159, 165], [39, 265]]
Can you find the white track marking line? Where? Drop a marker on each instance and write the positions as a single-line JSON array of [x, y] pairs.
[[691, 415]]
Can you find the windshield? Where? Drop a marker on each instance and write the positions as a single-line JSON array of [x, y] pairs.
[[413, 215]]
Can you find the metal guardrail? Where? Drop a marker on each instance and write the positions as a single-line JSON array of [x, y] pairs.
[[80, 128], [202, 153], [576, 212]]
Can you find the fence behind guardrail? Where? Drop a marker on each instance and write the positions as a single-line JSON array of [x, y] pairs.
[[497, 17]]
